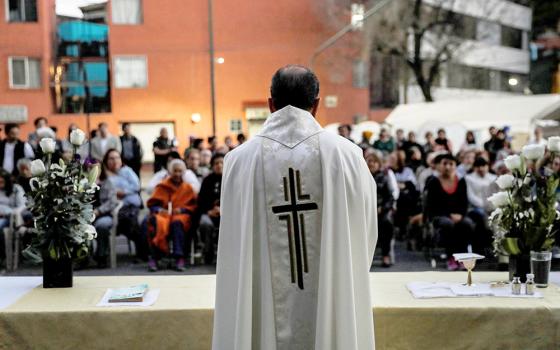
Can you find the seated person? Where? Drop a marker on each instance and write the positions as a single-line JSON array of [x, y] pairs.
[[171, 206], [127, 185], [12, 197], [188, 176], [24, 174], [105, 202], [446, 207], [209, 208], [385, 206]]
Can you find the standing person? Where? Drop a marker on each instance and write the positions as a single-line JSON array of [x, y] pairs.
[[241, 139], [492, 146], [229, 142], [209, 205], [131, 149], [33, 138], [385, 142], [385, 206], [104, 141], [163, 145], [446, 207], [297, 235], [127, 185], [212, 144], [13, 149]]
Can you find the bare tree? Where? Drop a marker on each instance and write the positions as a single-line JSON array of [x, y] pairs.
[[425, 34]]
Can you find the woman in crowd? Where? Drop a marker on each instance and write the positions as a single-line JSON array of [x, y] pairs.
[[209, 208], [172, 207], [442, 143], [470, 143], [407, 204], [127, 185], [385, 206], [12, 197]]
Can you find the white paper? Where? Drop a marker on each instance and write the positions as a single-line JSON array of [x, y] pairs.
[[149, 299], [13, 288], [428, 290]]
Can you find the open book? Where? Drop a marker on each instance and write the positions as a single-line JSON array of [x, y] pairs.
[[134, 293]]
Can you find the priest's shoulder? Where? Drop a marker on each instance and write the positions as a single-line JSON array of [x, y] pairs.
[[343, 145], [247, 148]]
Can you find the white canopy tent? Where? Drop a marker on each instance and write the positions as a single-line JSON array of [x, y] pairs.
[[457, 116]]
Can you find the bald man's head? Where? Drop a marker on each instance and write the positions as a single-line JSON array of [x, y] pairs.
[[296, 86]]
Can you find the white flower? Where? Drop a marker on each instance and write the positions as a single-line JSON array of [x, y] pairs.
[[77, 137], [506, 181], [527, 180], [48, 145], [513, 162], [45, 132], [499, 199], [90, 232], [533, 152], [554, 144], [38, 167], [495, 214]]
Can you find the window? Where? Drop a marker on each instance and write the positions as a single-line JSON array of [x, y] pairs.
[[126, 11], [488, 32], [25, 73], [131, 72], [21, 10], [235, 126], [512, 37], [465, 26]]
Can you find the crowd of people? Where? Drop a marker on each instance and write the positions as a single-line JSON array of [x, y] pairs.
[[435, 192], [424, 187], [181, 197]]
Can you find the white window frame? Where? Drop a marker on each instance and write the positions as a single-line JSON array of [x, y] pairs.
[[141, 2], [10, 72], [7, 12], [115, 58]]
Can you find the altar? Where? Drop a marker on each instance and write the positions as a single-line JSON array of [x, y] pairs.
[[181, 318]]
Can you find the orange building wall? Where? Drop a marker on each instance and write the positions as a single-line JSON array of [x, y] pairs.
[[254, 37]]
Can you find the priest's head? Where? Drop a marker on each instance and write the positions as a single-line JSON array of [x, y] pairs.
[[294, 85]]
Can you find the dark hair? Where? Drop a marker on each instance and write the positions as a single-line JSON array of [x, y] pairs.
[[8, 184], [294, 85], [211, 139], [8, 127], [101, 124], [103, 175], [173, 155], [216, 157], [240, 137], [38, 119], [124, 125], [480, 161], [445, 156]]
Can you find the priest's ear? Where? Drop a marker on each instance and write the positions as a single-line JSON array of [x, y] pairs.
[[315, 107]]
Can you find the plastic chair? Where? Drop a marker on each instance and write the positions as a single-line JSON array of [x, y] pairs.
[[113, 236]]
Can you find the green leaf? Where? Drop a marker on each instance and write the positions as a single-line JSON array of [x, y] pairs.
[[511, 246]]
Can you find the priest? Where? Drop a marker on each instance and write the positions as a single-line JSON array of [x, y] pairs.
[[297, 234]]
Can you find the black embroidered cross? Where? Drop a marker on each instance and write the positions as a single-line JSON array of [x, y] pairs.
[[292, 213]]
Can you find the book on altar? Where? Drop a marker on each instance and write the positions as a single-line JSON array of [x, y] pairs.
[[129, 294]]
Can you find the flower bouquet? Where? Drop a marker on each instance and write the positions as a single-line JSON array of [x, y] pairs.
[[525, 213], [61, 200]]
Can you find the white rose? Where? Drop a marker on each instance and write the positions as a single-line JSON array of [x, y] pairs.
[[513, 162], [533, 152], [506, 181], [77, 137], [38, 167], [90, 232], [554, 144], [47, 145], [499, 199], [495, 214]]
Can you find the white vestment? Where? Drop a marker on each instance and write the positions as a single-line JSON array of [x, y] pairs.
[[297, 235]]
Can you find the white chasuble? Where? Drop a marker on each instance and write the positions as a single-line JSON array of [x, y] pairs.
[[297, 235]]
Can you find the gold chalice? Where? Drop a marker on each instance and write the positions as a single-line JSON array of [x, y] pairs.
[[469, 261]]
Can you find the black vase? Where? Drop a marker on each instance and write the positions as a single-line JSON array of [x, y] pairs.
[[57, 273], [519, 266]]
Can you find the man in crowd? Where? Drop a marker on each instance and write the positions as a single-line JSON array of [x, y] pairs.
[[241, 139], [446, 207], [33, 138], [399, 139], [192, 158], [163, 145], [12, 149], [385, 142], [467, 161], [345, 130], [103, 142], [131, 149], [212, 144]]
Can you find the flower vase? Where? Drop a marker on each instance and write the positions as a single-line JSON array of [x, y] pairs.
[[519, 266], [57, 273]]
